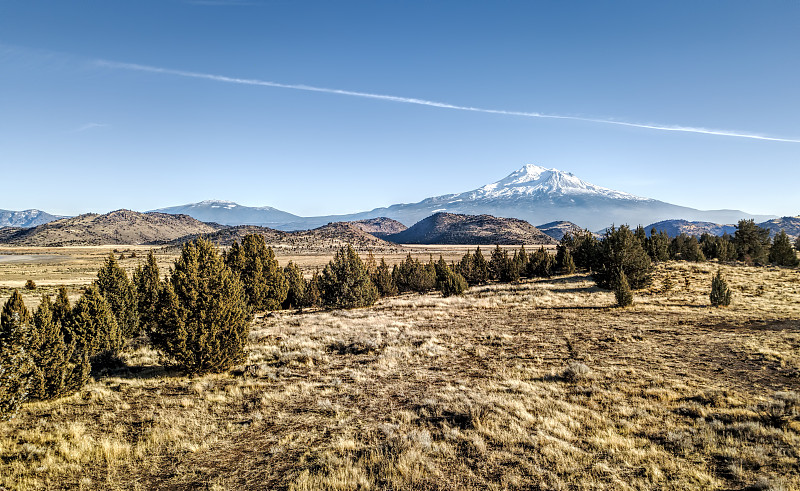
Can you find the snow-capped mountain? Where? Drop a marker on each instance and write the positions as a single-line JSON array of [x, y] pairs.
[[540, 195], [230, 213], [25, 218], [532, 193], [534, 181]]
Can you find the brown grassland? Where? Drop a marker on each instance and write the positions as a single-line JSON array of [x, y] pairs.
[[541, 384]]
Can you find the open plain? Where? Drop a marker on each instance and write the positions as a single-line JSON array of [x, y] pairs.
[[541, 384]]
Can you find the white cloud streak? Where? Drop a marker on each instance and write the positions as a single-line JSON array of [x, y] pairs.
[[88, 126], [442, 105]]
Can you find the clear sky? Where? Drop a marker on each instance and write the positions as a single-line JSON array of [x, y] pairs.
[[143, 104]]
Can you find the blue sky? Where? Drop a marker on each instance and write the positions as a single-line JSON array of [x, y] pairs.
[[81, 130]]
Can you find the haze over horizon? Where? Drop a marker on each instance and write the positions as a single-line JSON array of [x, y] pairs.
[[317, 108]]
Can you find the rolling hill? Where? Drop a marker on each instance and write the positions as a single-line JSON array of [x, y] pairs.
[[449, 228]]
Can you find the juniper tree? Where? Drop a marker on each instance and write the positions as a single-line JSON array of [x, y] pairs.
[[520, 260], [586, 249], [94, 327], [692, 251], [147, 284], [464, 267], [797, 243], [59, 368], [62, 313], [622, 289], [720, 295], [782, 253], [412, 275], [541, 264], [657, 245], [716, 247], [264, 284], [641, 236], [449, 282], [345, 282], [203, 317], [620, 250], [383, 281], [480, 268], [16, 367], [313, 297], [567, 264], [117, 289], [441, 269], [295, 297], [752, 242], [499, 264]]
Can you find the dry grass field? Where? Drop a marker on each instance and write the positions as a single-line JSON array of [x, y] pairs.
[[537, 385]]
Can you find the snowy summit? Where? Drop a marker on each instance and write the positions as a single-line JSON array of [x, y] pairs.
[[533, 180]]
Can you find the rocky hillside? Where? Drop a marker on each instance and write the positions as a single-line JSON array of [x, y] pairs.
[[676, 227], [449, 228], [335, 235], [557, 230], [380, 227], [790, 224], [229, 235], [117, 227], [326, 238]]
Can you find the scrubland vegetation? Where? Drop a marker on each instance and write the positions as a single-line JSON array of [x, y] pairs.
[[532, 377]]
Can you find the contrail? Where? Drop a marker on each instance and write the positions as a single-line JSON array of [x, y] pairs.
[[423, 102]]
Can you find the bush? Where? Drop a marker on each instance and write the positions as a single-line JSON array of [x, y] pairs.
[[30, 285], [204, 319], [345, 282], [720, 295]]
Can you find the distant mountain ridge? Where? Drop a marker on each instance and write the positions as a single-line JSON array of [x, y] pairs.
[[26, 218], [230, 213], [532, 193], [791, 225], [449, 228], [117, 227]]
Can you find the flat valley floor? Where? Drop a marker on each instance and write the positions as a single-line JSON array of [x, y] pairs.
[[537, 385]]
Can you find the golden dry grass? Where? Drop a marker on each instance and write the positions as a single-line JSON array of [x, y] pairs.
[[542, 384]]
